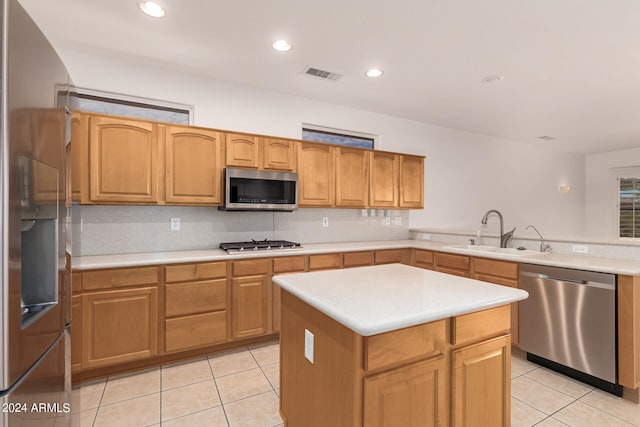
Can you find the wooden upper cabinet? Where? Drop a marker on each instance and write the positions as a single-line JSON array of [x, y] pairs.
[[242, 151], [124, 160], [383, 179], [316, 179], [278, 154], [79, 156], [352, 177], [411, 182], [193, 166]]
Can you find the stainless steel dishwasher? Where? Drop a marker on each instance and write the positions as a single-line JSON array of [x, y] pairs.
[[568, 323]]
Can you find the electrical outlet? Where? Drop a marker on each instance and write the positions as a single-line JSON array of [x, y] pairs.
[[325, 221], [580, 249], [175, 224], [387, 220], [426, 236], [308, 345], [364, 212], [397, 220], [372, 212]]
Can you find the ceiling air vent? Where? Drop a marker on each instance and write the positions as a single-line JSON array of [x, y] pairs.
[[316, 72]]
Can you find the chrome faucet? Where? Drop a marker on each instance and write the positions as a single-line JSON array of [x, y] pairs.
[[504, 237], [544, 247]]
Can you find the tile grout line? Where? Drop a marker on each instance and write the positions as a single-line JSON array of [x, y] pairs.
[[95, 418], [602, 410], [224, 410], [161, 370]]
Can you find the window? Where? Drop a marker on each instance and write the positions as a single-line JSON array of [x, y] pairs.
[[337, 136], [629, 207], [123, 105]]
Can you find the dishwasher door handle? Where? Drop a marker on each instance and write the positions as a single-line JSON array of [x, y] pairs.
[[565, 280]]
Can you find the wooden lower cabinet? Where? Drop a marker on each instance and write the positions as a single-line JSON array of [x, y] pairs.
[[250, 306], [482, 384], [503, 273], [412, 396], [76, 333], [415, 376], [283, 265], [451, 264], [119, 326], [423, 259], [198, 330]]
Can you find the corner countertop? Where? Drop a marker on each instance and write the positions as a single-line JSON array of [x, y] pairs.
[[367, 299], [579, 262]]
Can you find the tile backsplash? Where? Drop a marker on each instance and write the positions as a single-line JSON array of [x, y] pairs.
[[100, 230]]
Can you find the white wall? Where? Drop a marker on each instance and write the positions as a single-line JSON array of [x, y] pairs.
[[465, 173], [600, 201]]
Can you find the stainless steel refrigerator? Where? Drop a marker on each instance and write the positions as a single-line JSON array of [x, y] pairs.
[[35, 382]]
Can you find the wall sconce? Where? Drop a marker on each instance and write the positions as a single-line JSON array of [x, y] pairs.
[[564, 188]]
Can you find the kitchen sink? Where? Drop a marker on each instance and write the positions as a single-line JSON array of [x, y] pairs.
[[494, 249]]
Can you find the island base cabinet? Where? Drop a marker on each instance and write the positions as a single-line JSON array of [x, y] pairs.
[[411, 396], [482, 384], [410, 377]]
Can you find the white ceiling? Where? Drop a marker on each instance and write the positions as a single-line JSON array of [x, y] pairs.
[[571, 67]]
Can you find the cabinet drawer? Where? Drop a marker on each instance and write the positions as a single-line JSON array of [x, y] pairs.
[[481, 325], [250, 267], [456, 262], [324, 261], [195, 297], [116, 278], [186, 272], [357, 259], [395, 347], [289, 264], [494, 267], [199, 330], [388, 257], [424, 257], [512, 283]]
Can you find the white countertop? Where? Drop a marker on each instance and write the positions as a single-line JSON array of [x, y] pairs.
[[383, 298], [580, 262]]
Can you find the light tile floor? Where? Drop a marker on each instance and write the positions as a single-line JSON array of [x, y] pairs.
[[240, 389]]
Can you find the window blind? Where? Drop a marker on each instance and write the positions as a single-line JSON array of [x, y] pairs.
[[629, 206]]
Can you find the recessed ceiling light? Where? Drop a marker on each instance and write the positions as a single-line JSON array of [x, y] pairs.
[[281, 45], [547, 137], [152, 8], [493, 78], [374, 72]]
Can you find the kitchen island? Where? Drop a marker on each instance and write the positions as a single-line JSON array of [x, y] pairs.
[[394, 345]]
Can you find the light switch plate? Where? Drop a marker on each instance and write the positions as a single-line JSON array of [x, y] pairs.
[[387, 220], [308, 345], [175, 224], [325, 221]]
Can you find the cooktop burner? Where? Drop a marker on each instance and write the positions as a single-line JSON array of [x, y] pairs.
[[258, 245]]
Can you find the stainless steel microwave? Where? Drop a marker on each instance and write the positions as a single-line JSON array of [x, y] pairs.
[[253, 190]]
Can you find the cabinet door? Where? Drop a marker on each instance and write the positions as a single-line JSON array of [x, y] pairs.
[[316, 180], [124, 161], [411, 182], [352, 177], [193, 166], [79, 157], [412, 396], [482, 384], [76, 333], [383, 187], [242, 151], [250, 306], [119, 326], [279, 154]]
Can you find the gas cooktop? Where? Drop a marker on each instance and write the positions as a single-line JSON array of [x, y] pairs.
[[258, 245]]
